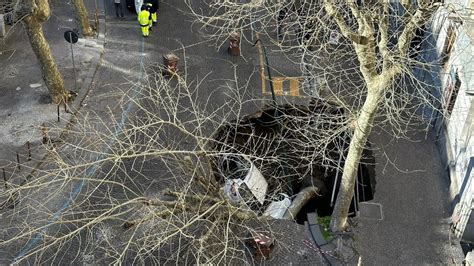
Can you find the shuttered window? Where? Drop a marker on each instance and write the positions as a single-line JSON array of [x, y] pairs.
[[448, 46]]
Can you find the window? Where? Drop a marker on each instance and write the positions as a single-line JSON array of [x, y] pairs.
[[448, 46], [451, 92]]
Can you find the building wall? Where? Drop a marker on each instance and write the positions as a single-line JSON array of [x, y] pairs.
[[455, 128]]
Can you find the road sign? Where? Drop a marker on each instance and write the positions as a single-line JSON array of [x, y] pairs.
[[71, 36]]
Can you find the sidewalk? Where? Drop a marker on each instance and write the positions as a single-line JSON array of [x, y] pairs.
[[24, 102], [411, 188]]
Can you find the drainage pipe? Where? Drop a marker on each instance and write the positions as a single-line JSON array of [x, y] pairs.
[[300, 200]]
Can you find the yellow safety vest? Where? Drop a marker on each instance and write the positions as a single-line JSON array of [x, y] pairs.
[[144, 18]]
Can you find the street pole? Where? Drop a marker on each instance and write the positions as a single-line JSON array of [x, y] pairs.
[[73, 64], [268, 70]]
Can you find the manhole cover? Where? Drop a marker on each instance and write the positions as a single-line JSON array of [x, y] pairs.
[[369, 210]]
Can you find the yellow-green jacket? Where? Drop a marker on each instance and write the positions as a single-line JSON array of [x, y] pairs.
[[144, 18]]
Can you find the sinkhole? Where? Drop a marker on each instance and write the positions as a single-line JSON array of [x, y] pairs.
[[293, 147]]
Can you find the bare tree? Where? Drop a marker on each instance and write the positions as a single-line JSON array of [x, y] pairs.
[[83, 18], [377, 79], [380, 66]]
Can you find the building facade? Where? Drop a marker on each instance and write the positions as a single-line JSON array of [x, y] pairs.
[[450, 44]]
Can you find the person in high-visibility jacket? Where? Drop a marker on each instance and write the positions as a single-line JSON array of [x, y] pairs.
[[149, 7], [153, 4], [145, 21]]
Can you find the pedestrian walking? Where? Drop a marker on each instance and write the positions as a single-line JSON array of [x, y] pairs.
[[118, 7], [144, 20]]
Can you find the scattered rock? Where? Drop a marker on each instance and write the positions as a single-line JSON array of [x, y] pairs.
[[35, 85]]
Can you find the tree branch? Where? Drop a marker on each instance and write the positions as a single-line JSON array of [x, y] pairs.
[[420, 18], [40, 10], [332, 11], [383, 29]]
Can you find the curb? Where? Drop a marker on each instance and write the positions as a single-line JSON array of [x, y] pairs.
[[87, 85]]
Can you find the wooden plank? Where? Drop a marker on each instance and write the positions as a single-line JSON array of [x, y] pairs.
[[294, 87], [278, 85]]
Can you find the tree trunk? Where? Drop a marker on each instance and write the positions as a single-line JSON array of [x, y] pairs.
[[51, 75], [362, 129], [83, 18]]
